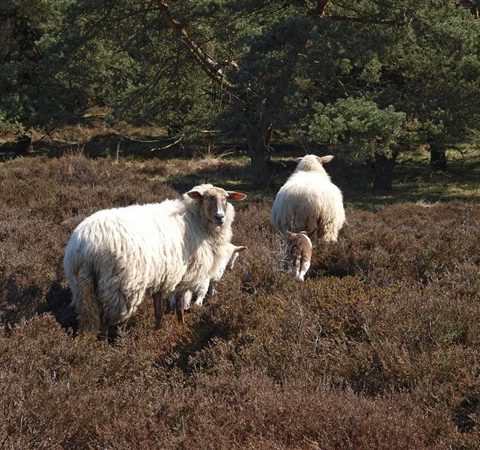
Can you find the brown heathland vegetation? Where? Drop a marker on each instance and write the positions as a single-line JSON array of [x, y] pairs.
[[379, 348]]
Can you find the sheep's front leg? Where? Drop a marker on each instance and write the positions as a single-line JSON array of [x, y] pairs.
[[158, 308]]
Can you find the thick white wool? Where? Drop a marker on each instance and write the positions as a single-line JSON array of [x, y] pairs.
[[309, 202], [130, 253]]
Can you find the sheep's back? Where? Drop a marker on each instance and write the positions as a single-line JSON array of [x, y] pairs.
[[134, 246], [303, 200]]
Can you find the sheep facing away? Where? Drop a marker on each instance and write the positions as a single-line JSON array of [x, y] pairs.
[[228, 259], [117, 257], [298, 254], [309, 201]]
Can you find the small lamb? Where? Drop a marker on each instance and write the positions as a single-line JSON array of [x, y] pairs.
[[209, 283], [298, 254]]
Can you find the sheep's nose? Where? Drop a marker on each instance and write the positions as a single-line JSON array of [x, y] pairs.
[[220, 217]]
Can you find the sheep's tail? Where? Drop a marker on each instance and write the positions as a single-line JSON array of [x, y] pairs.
[[88, 308]]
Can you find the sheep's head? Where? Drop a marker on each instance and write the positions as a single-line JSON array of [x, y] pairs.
[[313, 163], [214, 201]]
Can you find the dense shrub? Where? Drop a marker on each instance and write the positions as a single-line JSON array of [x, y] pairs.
[[379, 348]]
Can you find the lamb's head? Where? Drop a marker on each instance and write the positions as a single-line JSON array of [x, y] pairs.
[[300, 239], [234, 250], [214, 202], [313, 163], [228, 256]]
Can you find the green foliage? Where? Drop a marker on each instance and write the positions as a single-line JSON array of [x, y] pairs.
[[28, 29], [360, 123], [396, 73]]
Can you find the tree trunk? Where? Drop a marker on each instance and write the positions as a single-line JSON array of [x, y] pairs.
[[260, 160], [438, 157], [23, 144], [384, 167]]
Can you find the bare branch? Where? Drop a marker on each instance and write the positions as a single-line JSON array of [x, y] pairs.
[[320, 7], [320, 12], [143, 141], [208, 64], [96, 28], [366, 20], [268, 135], [175, 142]]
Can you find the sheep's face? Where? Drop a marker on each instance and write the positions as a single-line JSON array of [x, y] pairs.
[[214, 202]]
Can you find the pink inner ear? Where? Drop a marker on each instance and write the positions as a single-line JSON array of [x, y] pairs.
[[325, 159], [195, 195], [236, 196]]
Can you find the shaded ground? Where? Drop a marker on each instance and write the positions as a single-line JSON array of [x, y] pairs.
[[228, 164], [379, 348]]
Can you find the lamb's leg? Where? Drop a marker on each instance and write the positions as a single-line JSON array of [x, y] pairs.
[[298, 274], [180, 309], [187, 300], [201, 294], [158, 308], [304, 268]]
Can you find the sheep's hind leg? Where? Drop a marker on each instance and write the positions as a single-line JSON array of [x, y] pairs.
[[330, 232], [104, 330], [158, 308]]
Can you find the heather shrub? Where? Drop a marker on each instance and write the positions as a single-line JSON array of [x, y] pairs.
[[404, 242], [41, 202], [378, 348]]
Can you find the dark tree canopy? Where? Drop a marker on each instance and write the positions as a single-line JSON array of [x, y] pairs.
[[368, 78]]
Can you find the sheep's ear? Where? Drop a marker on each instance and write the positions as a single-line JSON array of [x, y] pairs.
[[289, 233], [239, 248], [236, 196], [195, 195], [297, 160], [324, 159]]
